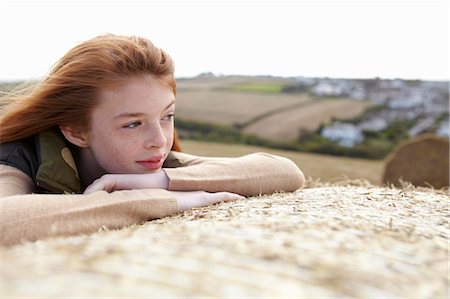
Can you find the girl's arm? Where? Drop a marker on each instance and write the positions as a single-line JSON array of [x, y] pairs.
[[30, 217], [253, 174], [258, 173]]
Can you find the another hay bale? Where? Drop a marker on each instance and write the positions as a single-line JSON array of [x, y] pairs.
[[423, 161]]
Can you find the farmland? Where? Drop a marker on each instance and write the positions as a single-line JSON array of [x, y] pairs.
[[259, 107], [286, 125]]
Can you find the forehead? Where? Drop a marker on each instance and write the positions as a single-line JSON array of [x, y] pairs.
[[137, 93]]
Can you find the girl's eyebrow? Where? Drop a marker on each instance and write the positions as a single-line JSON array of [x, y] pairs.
[[128, 114], [137, 114], [168, 106]]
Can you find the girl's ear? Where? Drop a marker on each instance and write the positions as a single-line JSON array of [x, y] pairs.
[[75, 135]]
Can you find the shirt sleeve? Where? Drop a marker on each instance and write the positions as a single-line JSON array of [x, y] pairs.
[[249, 175], [20, 155], [34, 216], [13, 181]]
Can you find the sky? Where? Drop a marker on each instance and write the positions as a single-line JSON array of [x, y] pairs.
[[338, 39]]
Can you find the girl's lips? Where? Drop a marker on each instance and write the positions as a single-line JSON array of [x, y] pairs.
[[153, 163]]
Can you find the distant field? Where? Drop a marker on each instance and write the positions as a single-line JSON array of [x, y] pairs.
[[323, 167], [286, 125], [231, 107]]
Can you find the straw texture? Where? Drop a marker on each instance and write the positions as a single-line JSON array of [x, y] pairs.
[[348, 240]]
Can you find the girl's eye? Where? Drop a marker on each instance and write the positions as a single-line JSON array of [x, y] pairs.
[[132, 125], [169, 117]]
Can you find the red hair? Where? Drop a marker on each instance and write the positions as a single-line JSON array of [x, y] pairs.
[[69, 93]]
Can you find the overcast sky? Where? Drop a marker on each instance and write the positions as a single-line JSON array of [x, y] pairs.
[[350, 39]]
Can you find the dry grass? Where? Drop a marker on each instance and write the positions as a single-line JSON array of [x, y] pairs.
[[346, 240]]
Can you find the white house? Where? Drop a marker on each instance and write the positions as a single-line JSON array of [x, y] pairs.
[[344, 134], [327, 89], [375, 124]]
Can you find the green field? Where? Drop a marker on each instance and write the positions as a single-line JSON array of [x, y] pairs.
[[259, 87], [319, 167]]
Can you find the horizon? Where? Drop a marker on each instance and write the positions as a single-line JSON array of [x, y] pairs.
[[213, 75]]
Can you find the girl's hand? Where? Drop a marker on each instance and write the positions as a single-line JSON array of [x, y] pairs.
[[112, 182], [159, 180], [196, 199]]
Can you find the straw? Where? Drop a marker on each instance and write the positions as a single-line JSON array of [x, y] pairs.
[[344, 239]]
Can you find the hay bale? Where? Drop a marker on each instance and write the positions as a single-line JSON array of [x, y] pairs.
[[423, 161], [323, 242]]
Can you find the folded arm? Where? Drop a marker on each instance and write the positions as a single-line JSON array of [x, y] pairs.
[[249, 175]]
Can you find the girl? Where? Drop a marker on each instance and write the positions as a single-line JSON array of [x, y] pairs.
[[101, 123]]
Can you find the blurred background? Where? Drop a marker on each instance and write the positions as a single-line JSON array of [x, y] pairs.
[[346, 89]]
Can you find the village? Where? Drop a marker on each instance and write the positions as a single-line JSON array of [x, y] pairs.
[[423, 104]]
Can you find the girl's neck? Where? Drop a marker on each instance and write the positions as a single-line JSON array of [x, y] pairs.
[[88, 168]]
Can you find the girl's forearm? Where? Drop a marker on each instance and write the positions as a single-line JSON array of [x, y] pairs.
[[111, 182]]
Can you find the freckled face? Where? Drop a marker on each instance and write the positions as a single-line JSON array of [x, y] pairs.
[[132, 127]]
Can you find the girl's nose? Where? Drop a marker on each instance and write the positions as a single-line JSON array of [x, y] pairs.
[[155, 137]]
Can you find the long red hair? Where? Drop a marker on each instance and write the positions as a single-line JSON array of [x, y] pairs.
[[69, 92]]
